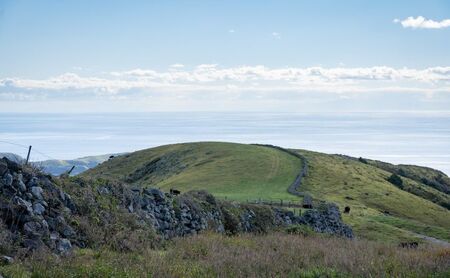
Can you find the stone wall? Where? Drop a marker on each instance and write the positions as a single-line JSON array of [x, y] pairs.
[[36, 212]]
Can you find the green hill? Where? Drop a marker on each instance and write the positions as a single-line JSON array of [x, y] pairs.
[[379, 209], [235, 171]]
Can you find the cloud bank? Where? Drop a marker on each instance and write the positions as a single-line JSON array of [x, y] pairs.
[[200, 85], [421, 22], [211, 77]]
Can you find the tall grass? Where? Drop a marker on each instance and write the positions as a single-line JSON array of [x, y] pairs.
[[272, 255]]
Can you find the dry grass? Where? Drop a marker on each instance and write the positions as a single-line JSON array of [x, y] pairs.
[[272, 255]]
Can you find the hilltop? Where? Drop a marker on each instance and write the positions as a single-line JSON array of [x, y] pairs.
[[380, 210], [235, 171]]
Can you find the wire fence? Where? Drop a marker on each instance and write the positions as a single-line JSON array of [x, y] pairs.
[[21, 151], [296, 206], [275, 202]]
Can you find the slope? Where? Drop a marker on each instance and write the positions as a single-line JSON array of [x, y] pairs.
[[235, 171], [379, 210]]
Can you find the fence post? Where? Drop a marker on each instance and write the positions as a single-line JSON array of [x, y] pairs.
[[281, 202], [71, 169], [28, 155]]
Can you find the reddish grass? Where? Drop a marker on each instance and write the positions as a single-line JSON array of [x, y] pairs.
[[272, 255]]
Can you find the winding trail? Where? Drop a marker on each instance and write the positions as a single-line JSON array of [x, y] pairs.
[[294, 188], [274, 167], [433, 240]]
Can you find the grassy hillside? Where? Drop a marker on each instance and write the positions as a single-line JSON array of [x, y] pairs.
[[424, 175], [379, 210], [235, 171]]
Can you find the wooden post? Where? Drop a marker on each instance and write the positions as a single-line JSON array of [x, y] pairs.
[[71, 169], [28, 155], [281, 202]]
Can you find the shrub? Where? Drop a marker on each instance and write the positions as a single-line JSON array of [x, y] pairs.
[[396, 180], [299, 230], [230, 221]]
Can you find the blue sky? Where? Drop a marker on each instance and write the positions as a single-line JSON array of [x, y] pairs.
[[224, 55]]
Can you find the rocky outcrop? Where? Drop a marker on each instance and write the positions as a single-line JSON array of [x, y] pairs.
[[326, 219], [34, 209], [36, 213], [196, 211]]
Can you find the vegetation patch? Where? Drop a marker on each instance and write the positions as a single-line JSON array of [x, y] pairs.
[[270, 255]]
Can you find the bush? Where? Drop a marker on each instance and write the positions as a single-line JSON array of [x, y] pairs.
[[396, 180], [230, 221], [299, 230]]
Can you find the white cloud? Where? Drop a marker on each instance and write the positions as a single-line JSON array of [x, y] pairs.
[[231, 31], [211, 80], [276, 35], [177, 66], [421, 22]]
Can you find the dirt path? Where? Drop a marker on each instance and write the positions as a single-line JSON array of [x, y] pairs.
[[275, 166], [434, 240], [294, 188]]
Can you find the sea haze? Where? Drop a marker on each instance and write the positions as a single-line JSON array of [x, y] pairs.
[[408, 138]]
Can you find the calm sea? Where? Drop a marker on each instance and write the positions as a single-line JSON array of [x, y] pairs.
[[422, 139]]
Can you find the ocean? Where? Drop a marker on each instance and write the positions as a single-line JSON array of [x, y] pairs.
[[407, 138]]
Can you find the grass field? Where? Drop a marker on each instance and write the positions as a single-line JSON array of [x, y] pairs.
[[235, 171], [379, 210]]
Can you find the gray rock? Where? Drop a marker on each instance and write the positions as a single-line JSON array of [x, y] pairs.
[[33, 244], [54, 236], [69, 203], [62, 195], [37, 192], [136, 189], [3, 168], [38, 208], [45, 224], [21, 186], [103, 190], [23, 204], [64, 246], [158, 194], [326, 219], [33, 229], [8, 179], [6, 260], [67, 231], [131, 208], [34, 181]]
